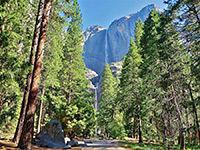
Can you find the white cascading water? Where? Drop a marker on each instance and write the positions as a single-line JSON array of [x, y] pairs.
[[106, 47]]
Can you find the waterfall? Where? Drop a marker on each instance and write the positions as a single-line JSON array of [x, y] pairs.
[[106, 47], [96, 97]]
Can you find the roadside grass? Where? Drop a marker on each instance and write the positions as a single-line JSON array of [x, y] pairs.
[[189, 147], [146, 146], [141, 146]]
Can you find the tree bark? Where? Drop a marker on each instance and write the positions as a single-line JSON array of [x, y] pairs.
[[182, 132], [29, 75], [140, 129], [188, 126], [28, 128], [134, 127], [195, 112], [132, 124], [41, 110], [70, 80]]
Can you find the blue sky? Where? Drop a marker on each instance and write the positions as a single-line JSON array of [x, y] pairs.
[[103, 12]]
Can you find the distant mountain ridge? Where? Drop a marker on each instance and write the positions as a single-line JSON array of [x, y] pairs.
[[111, 45]]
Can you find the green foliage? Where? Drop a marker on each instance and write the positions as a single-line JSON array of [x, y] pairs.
[[63, 66], [77, 118], [160, 74], [15, 41], [131, 99], [52, 61], [116, 130], [74, 83], [136, 146], [108, 100], [138, 32]]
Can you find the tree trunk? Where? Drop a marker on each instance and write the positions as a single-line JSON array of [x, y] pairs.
[[188, 126], [70, 80], [132, 128], [41, 110], [195, 112], [182, 132], [140, 129], [29, 76], [28, 128]]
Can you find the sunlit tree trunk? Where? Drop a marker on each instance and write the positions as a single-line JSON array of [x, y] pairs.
[[28, 128], [29, 76], [140, 129], [41, 110]]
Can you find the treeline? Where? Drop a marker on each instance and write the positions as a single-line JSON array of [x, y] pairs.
[[157, 98], [41, 58]]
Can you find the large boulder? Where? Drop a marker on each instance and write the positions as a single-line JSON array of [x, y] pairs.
[[51, 136]]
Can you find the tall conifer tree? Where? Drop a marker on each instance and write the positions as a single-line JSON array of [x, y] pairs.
[[138, 32], [130, 85], [15, 41], [107, 101], [74, 82], [28, 127]]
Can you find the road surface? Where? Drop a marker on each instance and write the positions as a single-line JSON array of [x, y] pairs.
[[101, 145]]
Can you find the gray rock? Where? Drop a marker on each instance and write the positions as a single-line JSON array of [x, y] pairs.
[[94, 48], [90, 74], [116, 68], [81, 143], [51, 136], [73, 143]]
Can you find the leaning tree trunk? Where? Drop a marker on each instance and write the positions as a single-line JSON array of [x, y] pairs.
[[29, 76], [28, 128]]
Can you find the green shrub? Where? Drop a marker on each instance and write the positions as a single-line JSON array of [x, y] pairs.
[[77, 119], [117, 130]]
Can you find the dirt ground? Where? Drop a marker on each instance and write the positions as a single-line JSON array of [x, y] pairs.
[[12, 146]]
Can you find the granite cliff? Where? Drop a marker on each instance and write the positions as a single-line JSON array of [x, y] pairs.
[[110, 45]]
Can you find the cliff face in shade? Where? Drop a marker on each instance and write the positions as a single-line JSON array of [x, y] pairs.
[[94, 48], [112, 44]]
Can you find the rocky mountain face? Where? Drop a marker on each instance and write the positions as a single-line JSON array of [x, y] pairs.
[[110, 45]]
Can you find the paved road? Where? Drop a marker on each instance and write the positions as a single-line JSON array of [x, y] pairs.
[[101, 145]]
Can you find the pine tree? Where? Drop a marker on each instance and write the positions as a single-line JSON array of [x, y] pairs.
[[172, 59], [29, 76], [50, 97], [138, 32], [28, 128], [107, 101], [163, 69], [150, 71], [15, 39], [186, 16], [148, 44], [73, 78], [130, 86]]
